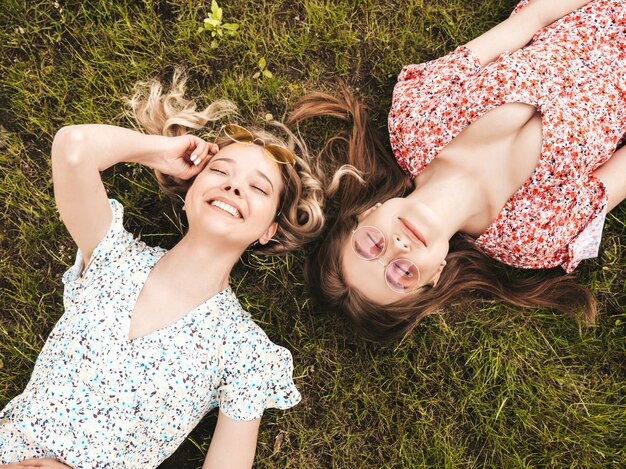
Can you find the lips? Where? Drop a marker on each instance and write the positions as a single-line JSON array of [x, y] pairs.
[[226, 206], [412, 231]]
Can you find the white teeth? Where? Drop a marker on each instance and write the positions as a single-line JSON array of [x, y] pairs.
[[226, 207]]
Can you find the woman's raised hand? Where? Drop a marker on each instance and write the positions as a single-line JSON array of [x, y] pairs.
[[183, 156]]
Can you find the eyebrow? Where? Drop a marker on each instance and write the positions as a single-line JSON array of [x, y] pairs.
[[259, 172]]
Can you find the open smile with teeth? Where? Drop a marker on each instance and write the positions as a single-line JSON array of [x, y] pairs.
[[226, 208]]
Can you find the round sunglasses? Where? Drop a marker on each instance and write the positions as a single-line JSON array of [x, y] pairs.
[[240, 134], [401, 275]]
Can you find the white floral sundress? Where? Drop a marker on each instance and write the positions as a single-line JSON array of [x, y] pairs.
[[96, 399]]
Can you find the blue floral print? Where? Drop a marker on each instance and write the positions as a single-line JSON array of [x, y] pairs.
[[98, 399]]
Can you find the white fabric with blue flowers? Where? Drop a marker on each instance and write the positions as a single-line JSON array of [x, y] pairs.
[[97, 399]]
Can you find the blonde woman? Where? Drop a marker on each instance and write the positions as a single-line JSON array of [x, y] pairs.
[[152, 339]]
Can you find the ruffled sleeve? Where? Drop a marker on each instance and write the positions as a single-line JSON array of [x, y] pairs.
[[257, 374], [109, 250], [436, 75], [586, 245]]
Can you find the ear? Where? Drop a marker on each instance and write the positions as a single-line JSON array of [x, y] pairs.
[[365, 213], [435, 277], [269, 233]]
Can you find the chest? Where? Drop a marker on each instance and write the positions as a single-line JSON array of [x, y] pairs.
[[151, 314], [500, 150], [159, 306]]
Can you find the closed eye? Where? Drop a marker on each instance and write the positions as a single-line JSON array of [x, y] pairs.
[[261, 190], [219, 171], [375, 242]]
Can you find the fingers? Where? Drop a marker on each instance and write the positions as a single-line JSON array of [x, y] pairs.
[[202, 150]]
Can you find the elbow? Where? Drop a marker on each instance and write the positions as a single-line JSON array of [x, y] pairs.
[[68, 144]]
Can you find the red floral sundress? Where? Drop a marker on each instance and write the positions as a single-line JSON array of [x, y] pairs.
[[574, 73]]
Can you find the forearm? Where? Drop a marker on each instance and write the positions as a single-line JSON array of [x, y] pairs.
[[516, 31], [551, 10], [102, 146], [80, 152], [233, 444]]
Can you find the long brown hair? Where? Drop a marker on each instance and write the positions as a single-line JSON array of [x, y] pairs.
[[301, 218], [469, 272]]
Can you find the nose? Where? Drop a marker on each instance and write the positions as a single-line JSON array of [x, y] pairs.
[[401, 243], [232, 187]]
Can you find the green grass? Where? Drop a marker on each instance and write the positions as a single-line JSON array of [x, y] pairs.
[[475, 387]]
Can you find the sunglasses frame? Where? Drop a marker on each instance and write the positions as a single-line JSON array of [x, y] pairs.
[[377, 258], [289, 156]]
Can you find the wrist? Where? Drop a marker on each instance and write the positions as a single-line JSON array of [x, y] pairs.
[[147, 150]]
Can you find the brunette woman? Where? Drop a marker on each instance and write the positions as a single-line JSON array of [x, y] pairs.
[[506, 149]]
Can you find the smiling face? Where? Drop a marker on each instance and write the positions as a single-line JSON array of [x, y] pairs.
[[236, 196], [409, 233]]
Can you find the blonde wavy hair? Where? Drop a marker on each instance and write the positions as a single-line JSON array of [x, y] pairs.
[[167, 112]]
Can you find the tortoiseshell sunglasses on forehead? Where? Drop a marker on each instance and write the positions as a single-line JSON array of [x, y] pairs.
[[242, 135]]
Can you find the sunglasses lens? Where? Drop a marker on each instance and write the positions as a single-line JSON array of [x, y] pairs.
[[280, 154], [238, 133], [368, 242], [402, 275]]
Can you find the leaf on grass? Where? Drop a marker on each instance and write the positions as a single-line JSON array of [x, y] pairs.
[[256, 75], [278, 441], [267, 73], [262, 63]]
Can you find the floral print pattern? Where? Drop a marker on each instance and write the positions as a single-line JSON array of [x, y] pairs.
[[574, 73], [97, 399]]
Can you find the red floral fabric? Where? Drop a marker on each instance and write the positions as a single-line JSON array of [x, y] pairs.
[[574, 73]]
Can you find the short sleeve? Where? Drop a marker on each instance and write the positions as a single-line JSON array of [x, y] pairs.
[[110, 249], [519, 6], [586, 245], [456, 67], [257, 374]]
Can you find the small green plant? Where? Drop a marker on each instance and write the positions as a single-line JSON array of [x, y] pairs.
[[263, 69], [213, 24]]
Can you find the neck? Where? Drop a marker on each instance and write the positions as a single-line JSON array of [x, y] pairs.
[[199, 265], [453, 196]]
